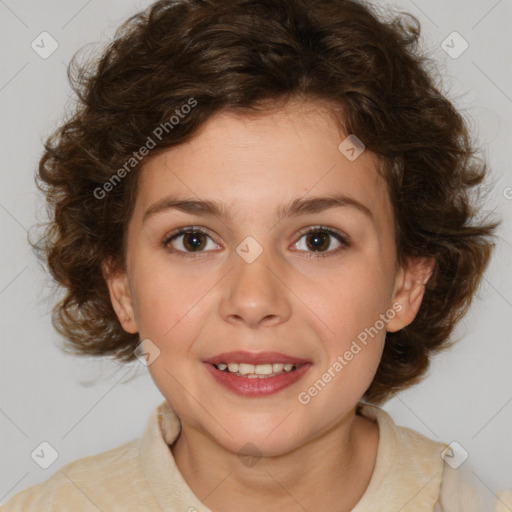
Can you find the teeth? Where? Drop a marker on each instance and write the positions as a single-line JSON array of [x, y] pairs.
[[245, 368], [263, 369], [256, 370]]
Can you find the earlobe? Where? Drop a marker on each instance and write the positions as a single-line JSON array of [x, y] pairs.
[[120, 296], [410, 285]]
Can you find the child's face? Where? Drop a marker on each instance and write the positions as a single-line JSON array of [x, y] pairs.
[[290, 300]]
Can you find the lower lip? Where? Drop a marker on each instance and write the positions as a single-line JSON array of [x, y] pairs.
[[257, 386]]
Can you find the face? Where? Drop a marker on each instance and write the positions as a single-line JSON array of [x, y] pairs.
[[287, 258]]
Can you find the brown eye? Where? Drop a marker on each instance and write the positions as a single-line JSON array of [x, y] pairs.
[[324, 241], [194, 241], [318, 241], [189, 241]]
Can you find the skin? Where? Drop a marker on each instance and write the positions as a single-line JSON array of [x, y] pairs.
[[290, 299]]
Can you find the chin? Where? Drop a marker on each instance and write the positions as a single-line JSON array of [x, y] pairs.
[[264, 439], [261, 446]]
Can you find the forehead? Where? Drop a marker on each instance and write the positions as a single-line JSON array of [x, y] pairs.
[[255, 164]]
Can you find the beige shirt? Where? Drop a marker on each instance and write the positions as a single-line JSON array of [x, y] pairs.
[[141, 475]]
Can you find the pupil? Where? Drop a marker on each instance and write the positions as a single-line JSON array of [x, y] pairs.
[[193, 241], [319, 240]]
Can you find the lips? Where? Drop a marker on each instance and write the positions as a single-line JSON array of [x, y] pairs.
[[256, 374], [254, 358]]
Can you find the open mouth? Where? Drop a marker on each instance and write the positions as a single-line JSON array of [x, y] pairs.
[[256, 371], [256, 374]]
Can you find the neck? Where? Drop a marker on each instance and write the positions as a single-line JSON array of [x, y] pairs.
[[330, 472]]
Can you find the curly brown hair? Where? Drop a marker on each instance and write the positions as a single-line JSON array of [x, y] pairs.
[[242, 56]]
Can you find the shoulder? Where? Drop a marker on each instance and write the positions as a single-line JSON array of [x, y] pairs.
[[462, 491], [403, 445], [411, 461], [90, 483], [408, 468]]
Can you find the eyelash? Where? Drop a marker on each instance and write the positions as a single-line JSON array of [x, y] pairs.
[[312, 255]]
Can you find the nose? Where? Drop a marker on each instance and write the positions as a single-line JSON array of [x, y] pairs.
[[254, 294]]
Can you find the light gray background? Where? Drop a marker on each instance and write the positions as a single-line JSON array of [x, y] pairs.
[[85, 406]]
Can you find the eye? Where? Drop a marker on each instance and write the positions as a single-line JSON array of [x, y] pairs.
[[189, 240], [322, 240], [192, 241]]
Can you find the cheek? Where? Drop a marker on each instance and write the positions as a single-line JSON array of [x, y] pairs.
[[350, 303], [168, 302], [349, 298], [354, 304], [171, 312]]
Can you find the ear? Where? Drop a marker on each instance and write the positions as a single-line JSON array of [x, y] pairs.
[[409, 289], [120, 296]]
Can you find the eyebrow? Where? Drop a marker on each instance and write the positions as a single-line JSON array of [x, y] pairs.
[[299, 206]]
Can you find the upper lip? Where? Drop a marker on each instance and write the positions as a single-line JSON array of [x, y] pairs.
[[240, 356]]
